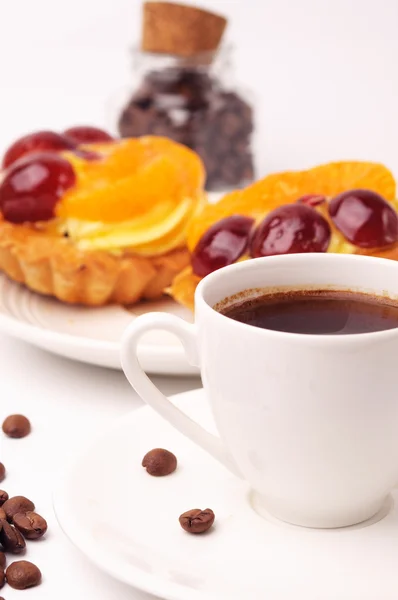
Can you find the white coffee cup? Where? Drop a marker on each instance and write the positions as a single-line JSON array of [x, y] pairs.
[[310, 421]]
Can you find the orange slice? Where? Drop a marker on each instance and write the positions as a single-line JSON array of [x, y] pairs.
[[130, 178], [125, 198]]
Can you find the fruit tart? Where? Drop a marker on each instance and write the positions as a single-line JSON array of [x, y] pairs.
[[93, 220], [346, 207]]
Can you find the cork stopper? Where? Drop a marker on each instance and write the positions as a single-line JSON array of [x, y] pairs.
[[181, 30]]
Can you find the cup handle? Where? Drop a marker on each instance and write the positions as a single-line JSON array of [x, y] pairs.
[[153, 396]]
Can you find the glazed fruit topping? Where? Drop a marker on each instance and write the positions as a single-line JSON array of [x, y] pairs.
[[33, 185], [46, 141], [222, 244], [364, 218], [312, 199], [290, 229], [40, 141], [87, 135]]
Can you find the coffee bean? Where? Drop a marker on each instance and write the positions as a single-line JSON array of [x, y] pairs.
[[16, 426], [17, 504], [2, 514], [196, 520], [23, 574], [230, 124], [3, 497], [2, 578], [30, 524], [2, 561], [2, 472], [11, 539], [159, 462]]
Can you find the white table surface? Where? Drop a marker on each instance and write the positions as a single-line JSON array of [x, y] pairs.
[[67, 402]]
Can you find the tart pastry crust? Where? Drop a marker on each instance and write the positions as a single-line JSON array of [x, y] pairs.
[[54, 266]]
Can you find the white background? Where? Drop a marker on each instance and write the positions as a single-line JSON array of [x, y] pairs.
[[325, 72], [325, 77]]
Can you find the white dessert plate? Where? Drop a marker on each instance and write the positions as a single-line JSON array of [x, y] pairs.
[[90, 335], [126, 523]]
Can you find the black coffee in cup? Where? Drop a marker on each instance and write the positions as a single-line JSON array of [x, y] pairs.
[[316, 312]]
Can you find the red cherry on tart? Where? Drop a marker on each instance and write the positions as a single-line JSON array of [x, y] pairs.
[[32, 187], [364, 218], [291, 229], [87, 135], [222, 244], [40, 141]]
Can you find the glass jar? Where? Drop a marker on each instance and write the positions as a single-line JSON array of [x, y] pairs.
[[194, 101]]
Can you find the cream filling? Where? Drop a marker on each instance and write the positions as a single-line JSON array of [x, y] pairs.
[[160, 230]]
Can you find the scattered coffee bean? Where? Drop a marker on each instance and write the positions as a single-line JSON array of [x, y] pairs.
[[2, 472], [2, 561], [196, 520], [2, 578], [11, 539], [23, 574], [159, 462], [17, 504], [30, 524], [2, 514], [16, 426], [3, 497]]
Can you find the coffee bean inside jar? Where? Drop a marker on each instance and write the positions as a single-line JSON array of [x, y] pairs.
[[185, 91]]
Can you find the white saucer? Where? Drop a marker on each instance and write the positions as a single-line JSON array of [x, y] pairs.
[[126, 522], [90, 335]]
